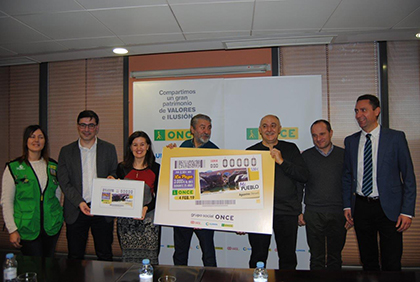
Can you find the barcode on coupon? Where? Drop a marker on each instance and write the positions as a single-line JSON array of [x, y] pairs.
[[215, 202], [189, 164]]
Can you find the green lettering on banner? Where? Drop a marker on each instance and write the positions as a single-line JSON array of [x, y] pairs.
[[292, 132], [285, 133], [172, 134], [180, 135]]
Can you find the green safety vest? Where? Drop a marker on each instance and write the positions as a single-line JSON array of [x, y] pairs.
[[31, 206]]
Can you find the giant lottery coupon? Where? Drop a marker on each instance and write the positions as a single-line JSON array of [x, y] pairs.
[[216, 182], [229, 190]]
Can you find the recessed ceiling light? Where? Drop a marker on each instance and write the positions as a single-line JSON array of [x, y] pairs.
[[120, 51], [418, 35]]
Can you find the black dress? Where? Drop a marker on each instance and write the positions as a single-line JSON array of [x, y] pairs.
[[139, 239]]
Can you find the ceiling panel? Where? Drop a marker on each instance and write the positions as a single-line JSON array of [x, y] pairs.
[[6, 52], [283, 33], [204, 1], [136, 21], [215, 35], [100, 4], [92, 28], [370, 14], [13, 31], [178, 47], [19, 7], [87, 43], [66, 25], [16, 61], [411, 21], [236, 16], [293, 15], [64, 56], [152, 38], [34, 47]]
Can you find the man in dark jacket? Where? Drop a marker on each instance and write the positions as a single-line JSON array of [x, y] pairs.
[[78, 164], [290, 168]]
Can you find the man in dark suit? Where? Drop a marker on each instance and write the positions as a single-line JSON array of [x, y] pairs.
[[379, 187], [79, 163]]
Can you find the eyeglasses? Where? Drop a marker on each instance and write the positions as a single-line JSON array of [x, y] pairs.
[[84, 125]]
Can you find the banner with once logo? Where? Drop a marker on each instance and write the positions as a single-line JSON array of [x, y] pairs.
[[228, 190]]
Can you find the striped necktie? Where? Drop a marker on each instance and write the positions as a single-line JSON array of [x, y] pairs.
[[367, 167]]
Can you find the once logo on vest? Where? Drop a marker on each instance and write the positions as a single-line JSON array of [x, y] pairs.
[[20, 167]]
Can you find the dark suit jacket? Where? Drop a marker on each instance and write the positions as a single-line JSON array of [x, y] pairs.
[[395, 174], [70, 174]]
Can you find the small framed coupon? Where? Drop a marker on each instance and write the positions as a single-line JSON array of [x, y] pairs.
[[119, 198]]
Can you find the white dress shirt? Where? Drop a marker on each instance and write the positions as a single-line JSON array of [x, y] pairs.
[[375, 144], [88, 156]]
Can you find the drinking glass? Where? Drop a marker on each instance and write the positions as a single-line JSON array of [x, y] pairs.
[[27, 277]]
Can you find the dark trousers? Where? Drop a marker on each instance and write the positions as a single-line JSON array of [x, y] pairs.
[[369, 220], [182, 242], [42, 246], [325, 230], [102, 232], [285, 232]]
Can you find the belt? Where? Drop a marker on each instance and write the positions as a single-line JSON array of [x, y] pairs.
[[368, 199]]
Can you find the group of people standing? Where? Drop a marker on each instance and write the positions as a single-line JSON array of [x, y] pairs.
[[369, 185], [31, 194]]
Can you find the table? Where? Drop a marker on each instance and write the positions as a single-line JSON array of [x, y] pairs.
[[63, 270]]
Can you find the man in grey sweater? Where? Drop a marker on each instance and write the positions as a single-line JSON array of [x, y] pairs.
[[323, 217]]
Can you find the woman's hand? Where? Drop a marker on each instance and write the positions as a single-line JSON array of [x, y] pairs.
[[301, 221], [145, 208], [14, 238]]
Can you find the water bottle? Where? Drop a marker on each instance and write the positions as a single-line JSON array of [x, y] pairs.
[[10, 268], [146, 271], [260, 273]]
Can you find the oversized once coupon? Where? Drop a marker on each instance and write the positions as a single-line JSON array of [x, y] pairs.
[[215, 182], [228, 190]]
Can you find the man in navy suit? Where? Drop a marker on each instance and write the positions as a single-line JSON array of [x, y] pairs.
[[379, 187]]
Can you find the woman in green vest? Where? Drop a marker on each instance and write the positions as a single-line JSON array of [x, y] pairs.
[[31, 197]]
